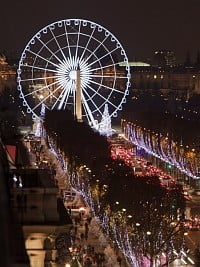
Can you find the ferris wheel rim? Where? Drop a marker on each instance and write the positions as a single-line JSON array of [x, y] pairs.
[[78, 21]]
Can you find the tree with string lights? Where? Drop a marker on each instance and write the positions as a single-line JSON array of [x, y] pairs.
[[105, 125], [145, 223], [137, 213]]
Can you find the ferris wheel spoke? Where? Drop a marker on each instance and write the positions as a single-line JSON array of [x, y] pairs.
[[37, 55], [42, 88], [96, 92], [106, 66], [42, 101], [53, 54], [66, 91], [85, 91], [39, 78], [107, 87], [61, 70], [77, 43], [107, 54], [60, 49], [88, 110], [66, 34], [85, 71], [93, 53], [86, 114], [63, 85], [62, 79], [40, 68], [55, 103], [85, 48], [66, 100]]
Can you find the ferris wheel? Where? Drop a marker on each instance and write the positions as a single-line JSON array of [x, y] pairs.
[[64, 52]]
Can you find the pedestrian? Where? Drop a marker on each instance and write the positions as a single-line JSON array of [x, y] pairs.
[[119, 260], [92, 249], [88, 263], [102, 255], [78, 220], [86, 235], [75, 229], [89, 220], [98, 259], [86, 226], [73, 237], [82, 236], [70, 211]]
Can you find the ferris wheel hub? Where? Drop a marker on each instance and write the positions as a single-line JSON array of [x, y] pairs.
[[73, 75]]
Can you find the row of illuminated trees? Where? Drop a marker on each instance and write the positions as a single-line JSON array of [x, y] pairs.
[[185, 158], [139, 215]]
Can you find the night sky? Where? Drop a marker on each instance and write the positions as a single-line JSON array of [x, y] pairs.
[[141, 26]]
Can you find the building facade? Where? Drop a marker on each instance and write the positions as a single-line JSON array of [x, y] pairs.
[[43, 217], [181, 81], [7, 74]]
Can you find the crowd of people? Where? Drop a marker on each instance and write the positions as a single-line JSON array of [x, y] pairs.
[[87, 249]]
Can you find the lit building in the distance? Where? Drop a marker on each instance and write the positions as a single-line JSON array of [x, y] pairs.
[[179, 80], [7, 74], [164, 58]]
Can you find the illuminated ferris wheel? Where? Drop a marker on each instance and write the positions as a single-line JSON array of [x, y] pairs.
[[74, 59]]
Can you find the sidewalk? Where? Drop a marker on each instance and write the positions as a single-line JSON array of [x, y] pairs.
[[93, 245], [92, 249]]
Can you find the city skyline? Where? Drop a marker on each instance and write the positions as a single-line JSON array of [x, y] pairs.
[[142, 28]]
